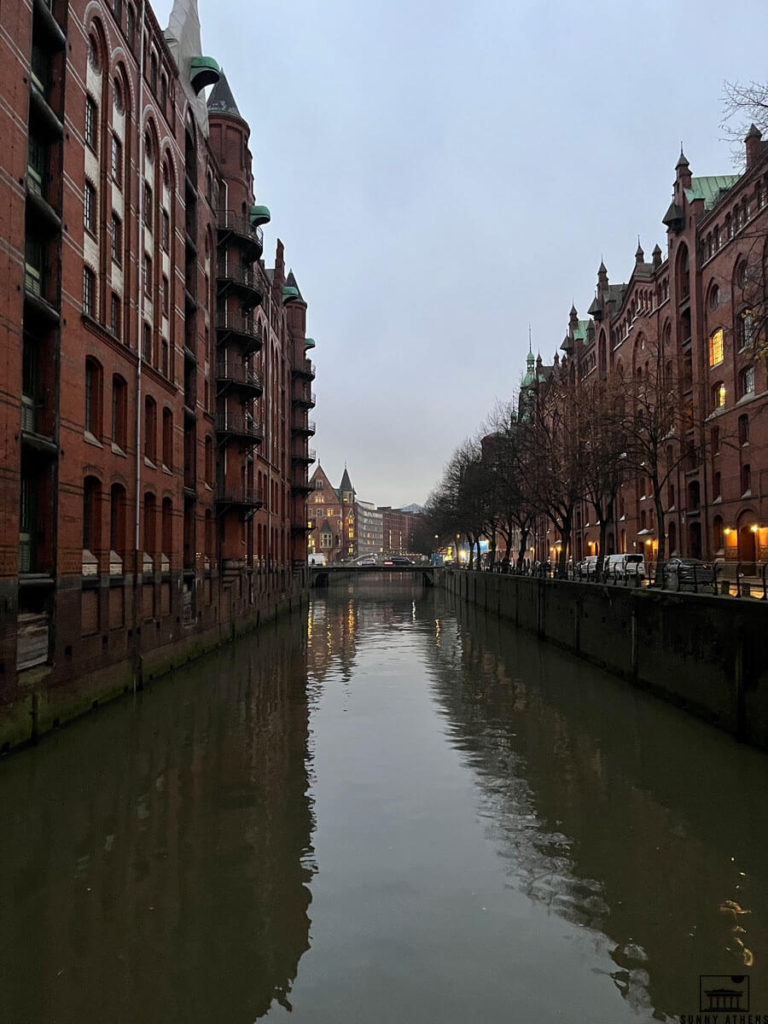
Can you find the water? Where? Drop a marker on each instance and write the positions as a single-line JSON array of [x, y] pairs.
[[389, 810]]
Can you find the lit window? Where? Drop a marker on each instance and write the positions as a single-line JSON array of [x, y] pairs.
[[716, 348], [718, 396]]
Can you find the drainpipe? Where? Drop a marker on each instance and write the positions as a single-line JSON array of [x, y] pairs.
[[138, 569]]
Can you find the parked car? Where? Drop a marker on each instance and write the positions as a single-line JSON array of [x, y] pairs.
[[397, 560], [366, 560], [682, 573]]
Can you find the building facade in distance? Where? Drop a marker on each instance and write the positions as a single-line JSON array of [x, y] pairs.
[[154, 376], [697, 319]]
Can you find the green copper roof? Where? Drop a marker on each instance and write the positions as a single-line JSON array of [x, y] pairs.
[[309, 343], [203, 71], [260, 215], [580, 332], [710, 189], [290, 294]]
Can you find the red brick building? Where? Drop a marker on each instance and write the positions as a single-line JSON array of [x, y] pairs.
[[154, 385], [332, 517], [701, 313]]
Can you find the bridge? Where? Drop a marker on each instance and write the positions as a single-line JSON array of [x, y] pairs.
[[321, 575]]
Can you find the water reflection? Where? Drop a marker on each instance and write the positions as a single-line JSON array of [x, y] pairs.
[[156, 860], [615, 811]]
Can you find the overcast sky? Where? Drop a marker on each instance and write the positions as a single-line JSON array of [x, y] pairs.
[[442, 174]]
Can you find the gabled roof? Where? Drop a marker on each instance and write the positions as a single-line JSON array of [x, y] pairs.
[[580, 332], [221, 100], [711, 189]]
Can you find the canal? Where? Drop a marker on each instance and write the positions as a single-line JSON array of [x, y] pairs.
[[385, 809]]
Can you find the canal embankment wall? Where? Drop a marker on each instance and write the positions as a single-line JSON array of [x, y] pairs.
[[108, 663], [704, 653]]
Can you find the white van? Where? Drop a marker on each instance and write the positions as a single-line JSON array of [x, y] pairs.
[[317, 559], [634, 565], [613, 566]]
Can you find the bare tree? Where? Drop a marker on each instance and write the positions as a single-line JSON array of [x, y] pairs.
[[552, 457], [744, 104]]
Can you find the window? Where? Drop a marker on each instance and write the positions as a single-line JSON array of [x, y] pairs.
[[119, 411], [164, 287], [91, 496], [761, 193], [147, 274], [150, 428], [117, 239], [89, 208], [746, 328], [746, 479], [117, 519], [147, 344], [717, 533], [747, 380], [714, 297], [167, 438], [166, 231], [93, 378], [93, 53], [149, 524], [164, 360], [209, 461], [114, 315], [163, 92], [166, 527], [148, 205], [716, 348], [89, 291], [743, 430], [91, 122], [715, 440], [117, 161], [153, 72], [716, 485], [130, 25], [718, 395]]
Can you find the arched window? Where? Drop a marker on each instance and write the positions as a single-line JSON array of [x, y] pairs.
[[718, 395]]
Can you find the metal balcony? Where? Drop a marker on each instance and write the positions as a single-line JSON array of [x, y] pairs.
[[303, 427], [238, 426], [241, 330], [302, 454], [241, 281], [245, 500], [231, 376], [304, 370], [305, 398], [235, 227]]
